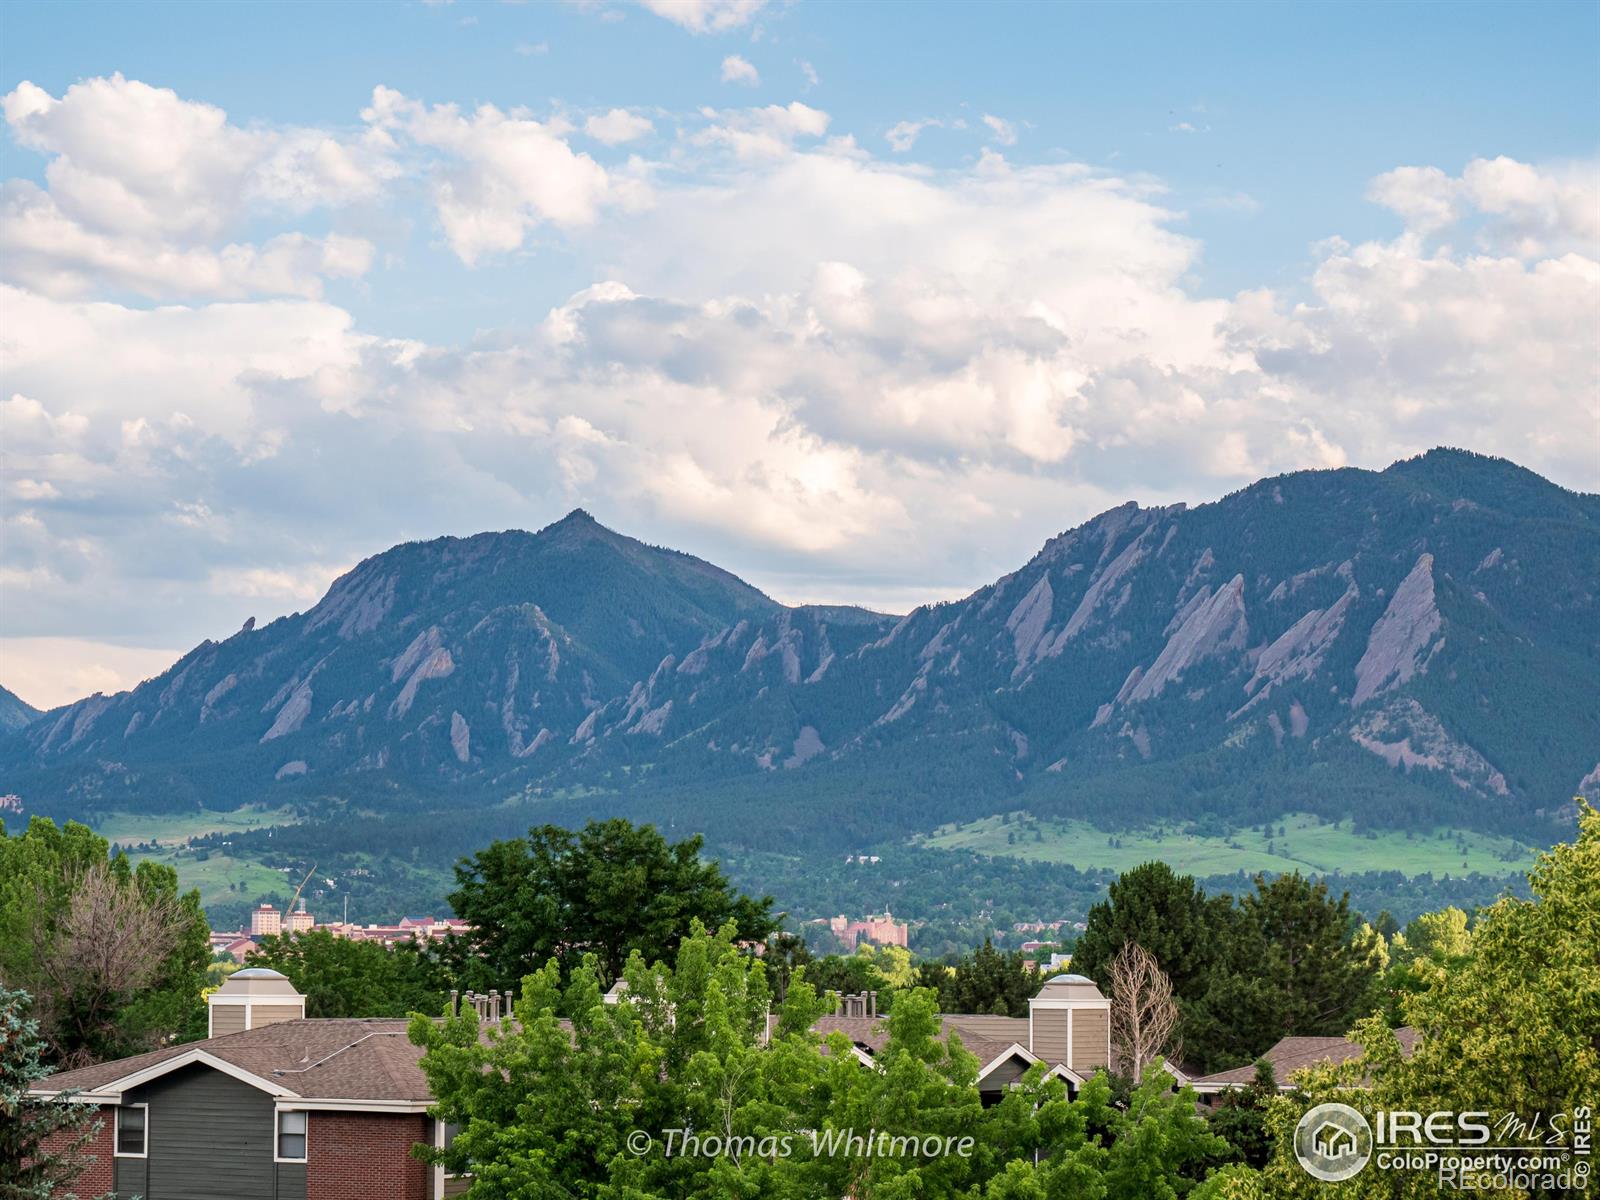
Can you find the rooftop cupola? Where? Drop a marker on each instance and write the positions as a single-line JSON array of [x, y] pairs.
[[251, 998], [1069, 1022]]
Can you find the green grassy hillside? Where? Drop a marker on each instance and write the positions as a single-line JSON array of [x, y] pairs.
[[1306, 844]]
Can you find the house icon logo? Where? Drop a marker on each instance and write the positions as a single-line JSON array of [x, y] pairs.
[[1333, 1142]]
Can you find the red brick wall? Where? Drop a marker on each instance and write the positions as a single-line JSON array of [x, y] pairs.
[[97, 1176], [365, 1156]]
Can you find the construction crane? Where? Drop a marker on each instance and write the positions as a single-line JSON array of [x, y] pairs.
[[295, 899]]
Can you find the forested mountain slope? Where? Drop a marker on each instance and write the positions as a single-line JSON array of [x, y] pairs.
[[1409, 646]]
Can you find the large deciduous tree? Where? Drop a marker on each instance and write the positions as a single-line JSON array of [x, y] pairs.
[[342, 977], [607, 890], [114, 956]]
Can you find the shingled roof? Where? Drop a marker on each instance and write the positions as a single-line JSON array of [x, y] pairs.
[[1293, 1054], [359, 1060], [990, 1039]]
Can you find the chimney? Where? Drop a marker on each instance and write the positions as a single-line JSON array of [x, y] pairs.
[[872, 1004], [494, 1005], [455, 1000], [250, 999]]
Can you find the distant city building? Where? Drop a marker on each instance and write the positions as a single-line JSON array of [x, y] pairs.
[[423, 928], [879, 930], [300, 920], [265, 920], [235, 942], [240, 947]]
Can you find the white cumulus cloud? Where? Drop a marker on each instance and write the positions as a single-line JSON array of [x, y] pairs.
[[706, 16], [143, 188], [618, 126], [498, 175], [739, 70], [850, 378]]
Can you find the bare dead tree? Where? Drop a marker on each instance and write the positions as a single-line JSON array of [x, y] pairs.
[[105, 947], [1144, 1016]]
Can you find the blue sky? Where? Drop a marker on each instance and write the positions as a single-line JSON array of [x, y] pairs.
[[861, 301], [1293, 107]]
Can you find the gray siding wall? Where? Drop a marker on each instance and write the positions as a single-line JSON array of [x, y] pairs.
[[211, 1136], [129, 1175], [292, 1178], [1005, 1075]]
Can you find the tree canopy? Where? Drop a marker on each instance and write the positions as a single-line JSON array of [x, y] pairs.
[[342, 977], [607, 890], [547, 1106], [114, 956], [985, 981], [1285, 959]]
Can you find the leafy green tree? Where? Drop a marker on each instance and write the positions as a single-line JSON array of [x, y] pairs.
[[1508, 1027], [786, 953], [847, 974], [608, 890], [1433, 940], [41, 1141], [1240, 1116], [546, 1105], [342, 977], [114, 956], [986, 981]]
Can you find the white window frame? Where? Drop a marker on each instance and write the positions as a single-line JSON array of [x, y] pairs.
[[116, 1133], [277, 1136]]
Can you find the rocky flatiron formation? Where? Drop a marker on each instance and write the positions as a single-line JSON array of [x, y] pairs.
[[1422, 636]]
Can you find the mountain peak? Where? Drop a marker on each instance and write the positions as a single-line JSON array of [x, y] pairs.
[[1498, 483], [15, 712], [580, 525]]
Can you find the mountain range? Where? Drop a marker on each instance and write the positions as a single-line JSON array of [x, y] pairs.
[[1409, 647]]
